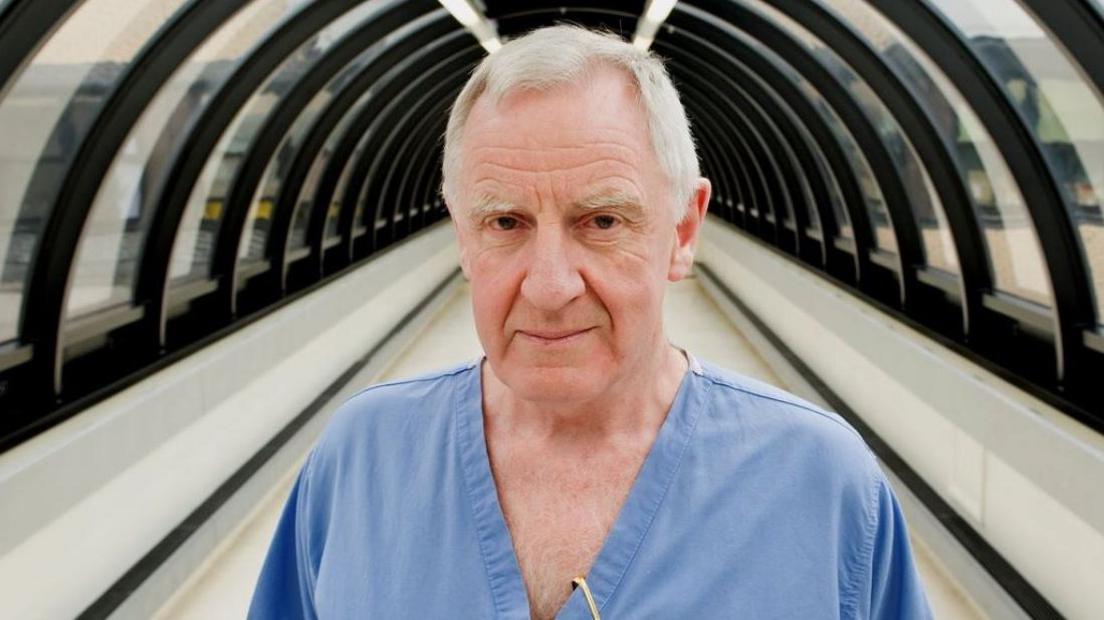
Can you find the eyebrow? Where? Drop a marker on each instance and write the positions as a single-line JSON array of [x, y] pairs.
[[621, 200], [488, 204]]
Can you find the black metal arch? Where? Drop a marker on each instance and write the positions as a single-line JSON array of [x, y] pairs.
[[424, 113], [364, 129], [746, 66], [711, 59], [712, 140], [748, 116], [1078, 28], [277, 125], [921, 131], [769, 178], [396, 123], [323, 193], [187, 165], [25, 25], [732, 168], [430, 139], [44, 304], [720, 170], [1073, 305], [444, 37], [755, 167], [909, 255], [421, 192], [383, 145]]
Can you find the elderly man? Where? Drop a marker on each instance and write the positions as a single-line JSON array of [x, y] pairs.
[[584, 467]]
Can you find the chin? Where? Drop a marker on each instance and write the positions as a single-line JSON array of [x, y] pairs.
[[555, 384]]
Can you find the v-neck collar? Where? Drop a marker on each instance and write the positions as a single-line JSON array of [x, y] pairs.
[[629, 529]]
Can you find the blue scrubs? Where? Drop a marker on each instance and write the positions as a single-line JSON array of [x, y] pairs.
[[751, 504]]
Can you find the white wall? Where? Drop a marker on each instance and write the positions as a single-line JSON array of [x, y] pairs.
[[1026, 476], [82, 502]]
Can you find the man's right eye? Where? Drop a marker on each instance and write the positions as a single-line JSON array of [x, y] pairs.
[[504, 222]]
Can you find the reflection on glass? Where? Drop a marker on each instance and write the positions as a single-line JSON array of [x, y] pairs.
[[810, 145], [192, 256], [1013, 247], [279, 167], [121, 214], [46, 114], [926, 207], [872, 193], [318, 168], [1064, 113]]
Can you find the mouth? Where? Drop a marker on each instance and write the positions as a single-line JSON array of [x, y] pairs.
[[552, 337]]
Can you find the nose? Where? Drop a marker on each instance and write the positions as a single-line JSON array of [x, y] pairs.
[[552, 279]]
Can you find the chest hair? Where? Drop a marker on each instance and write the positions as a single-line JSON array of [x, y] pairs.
[[559, 514]]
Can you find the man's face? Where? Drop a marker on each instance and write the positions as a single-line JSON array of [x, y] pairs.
[[568, 235]]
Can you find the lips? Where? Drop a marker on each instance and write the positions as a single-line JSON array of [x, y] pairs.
[[552, 336]]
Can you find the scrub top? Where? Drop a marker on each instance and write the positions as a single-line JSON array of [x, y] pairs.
[[750, 504]]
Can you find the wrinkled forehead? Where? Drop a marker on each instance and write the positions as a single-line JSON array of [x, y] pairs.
[[592, 131]]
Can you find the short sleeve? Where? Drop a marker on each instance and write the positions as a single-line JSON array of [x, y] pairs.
[[285, 588], [893, 588]]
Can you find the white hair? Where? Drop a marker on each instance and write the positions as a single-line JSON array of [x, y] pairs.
[[563, 54]]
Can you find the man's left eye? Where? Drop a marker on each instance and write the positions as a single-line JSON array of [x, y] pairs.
[[605, 222]]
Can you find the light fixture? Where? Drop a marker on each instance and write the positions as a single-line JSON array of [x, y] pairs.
[[481, 28], [642, 43], [462, 11], [654, 15], [658, 10], [491, 45]]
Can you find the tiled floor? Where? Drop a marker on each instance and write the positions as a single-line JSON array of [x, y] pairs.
[[221, 589]]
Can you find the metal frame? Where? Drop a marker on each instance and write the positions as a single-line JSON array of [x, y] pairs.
[[1073, 305], [711, 59], [752, 164], [432, 140], [903, 224], [439, 31], [431, 86], [920, 130], [251, 73], [51, 274], [853, 265], [270, 137], [390, 194], [365, 128], [1078, 28], [26, 25], [771, 141]]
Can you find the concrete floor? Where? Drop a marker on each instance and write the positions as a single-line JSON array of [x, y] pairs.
[[222, 587]]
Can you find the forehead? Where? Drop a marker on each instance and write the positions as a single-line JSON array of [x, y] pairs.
[[570, 138]]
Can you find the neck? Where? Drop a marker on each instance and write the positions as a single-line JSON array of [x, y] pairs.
[[631, 409]]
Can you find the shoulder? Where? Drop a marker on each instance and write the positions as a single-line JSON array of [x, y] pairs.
[[391, 416], [786, 427]]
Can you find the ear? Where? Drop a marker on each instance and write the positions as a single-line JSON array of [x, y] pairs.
[[686, 231]]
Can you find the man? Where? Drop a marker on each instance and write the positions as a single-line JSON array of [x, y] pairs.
[[583, 450]]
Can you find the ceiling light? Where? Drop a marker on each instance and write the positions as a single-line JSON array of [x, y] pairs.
[[658, 10], [463, 12]]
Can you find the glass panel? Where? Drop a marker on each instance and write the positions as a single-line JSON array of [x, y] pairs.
[[872, 193], [278, 168], [926, 207], [192, 254], [1064, 113], [121, 214], [45, 116], [268, 190], [1013, 247], [318, 167]]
